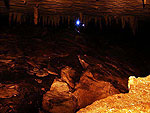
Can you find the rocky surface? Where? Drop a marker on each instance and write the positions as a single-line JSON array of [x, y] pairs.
[[19, 98], [136, 101], [89, 90], [59, 99], [69, 76], [29, 65], [98, 81]]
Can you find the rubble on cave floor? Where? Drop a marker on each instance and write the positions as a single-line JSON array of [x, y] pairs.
[[33, 72], [136, 101]]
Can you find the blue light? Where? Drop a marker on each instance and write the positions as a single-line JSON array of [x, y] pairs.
[[78, 22]]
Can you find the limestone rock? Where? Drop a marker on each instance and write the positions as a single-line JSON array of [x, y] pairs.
[[89, 89], [136, 101], [83, 63], [68, 75], [59, 99]]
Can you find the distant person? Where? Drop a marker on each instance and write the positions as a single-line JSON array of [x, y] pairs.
[[143, 3]]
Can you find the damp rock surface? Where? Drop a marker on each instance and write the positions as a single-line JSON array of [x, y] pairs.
[[136, 101], [68, 75], [59, 99], [89, 90]]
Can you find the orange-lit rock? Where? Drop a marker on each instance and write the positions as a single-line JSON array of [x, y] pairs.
[[136, 101], [83, 63], [59, 99], [35, 15], [67, 75], [89, 89]]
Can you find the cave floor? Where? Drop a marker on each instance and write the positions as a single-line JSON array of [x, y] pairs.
[[33, 60]]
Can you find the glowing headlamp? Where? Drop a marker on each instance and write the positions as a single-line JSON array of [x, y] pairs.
[[78, 22]]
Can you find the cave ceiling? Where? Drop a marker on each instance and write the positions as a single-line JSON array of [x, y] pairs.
[[74, 7]]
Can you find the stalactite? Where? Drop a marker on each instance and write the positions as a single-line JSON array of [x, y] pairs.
[[14, 17], [100, 23], [48, 20], [126, 19], [35, 15], [59, 20], [106, 20], [110, 19], [95, 20], [116, 19], [55, 21], [23, 18], [43, 20], [123, 22], [90, 18], [81, 16], [52, 20], [133, 24], [39, 19], [10, 17], [86, 20], [19, 18], [68, 20], [62, 19]]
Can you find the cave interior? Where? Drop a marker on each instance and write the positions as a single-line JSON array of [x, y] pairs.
[[85, 44]]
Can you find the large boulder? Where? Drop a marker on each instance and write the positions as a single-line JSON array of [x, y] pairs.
[[59, 99], [136, 101], [90, 89]]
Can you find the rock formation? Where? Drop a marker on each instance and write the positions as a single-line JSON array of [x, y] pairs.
[[59, 99], [89, 89], [136, 101]]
